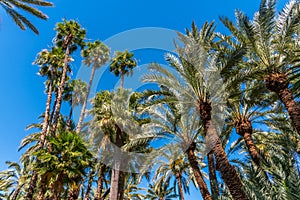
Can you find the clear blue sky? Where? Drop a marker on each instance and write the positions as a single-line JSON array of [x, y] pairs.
[[22, 98]]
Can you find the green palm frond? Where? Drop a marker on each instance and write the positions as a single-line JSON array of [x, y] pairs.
[[10, 7]]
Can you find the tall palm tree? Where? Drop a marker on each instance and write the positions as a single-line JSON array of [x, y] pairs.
[[49, 62], [10, 7], [122, 64], [272, 42], [69, 37], [199, 85], [95, 55]]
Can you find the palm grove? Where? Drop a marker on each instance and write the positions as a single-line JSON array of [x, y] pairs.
[[226, 107]]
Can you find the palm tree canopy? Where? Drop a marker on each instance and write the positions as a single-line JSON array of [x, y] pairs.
[[122, 63]]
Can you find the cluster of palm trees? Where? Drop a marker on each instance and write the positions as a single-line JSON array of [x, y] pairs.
[[225, 109]]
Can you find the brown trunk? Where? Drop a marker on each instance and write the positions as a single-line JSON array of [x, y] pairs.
[[32, 185], [74, 193], [100, 183], [69, 122], [279, 83], [114, 185], [82, 113], [42, 187], [121, 185], [89, 186], [197, 173], [213, 142], [47, 115], [116, 176], [180, 188], [243, 127], [212, 175], [61, 88], [228, 172]]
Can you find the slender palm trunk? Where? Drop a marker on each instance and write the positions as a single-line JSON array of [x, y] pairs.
[[212, 176], [100, 182], [47, 115], [213, 142], [69, 122], [197, 173], [279, 83], [32, 185], [114, 185], [122, 80], [116, 176], [82, 113], [179, 183], [33, 179], [121, 185], [61, 87], [244, 128], [89, 186]]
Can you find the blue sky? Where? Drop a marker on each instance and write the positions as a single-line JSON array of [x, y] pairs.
[[22, 98]]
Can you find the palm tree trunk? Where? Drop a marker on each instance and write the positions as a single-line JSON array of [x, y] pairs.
[[179, 182], [61, 88], [122, 80], [42, 187], [82, 113], [279, 83], [32, 185], [89, 186], [213, 142], [100, 182], [74, 193], [244, 128], [69, 122], [47, 115], [212, 176], [116, 173], [121, 185], [114, 185], [197, 173], [228, 172]]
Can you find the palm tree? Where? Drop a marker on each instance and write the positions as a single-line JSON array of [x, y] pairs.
[[198, 85], [122, 64], [172, 165], [69, 37], [65, 165], [13, 180], [96, 54], [244, 110], [272, 42], [26, 5], [161, 190], [49, 62]]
